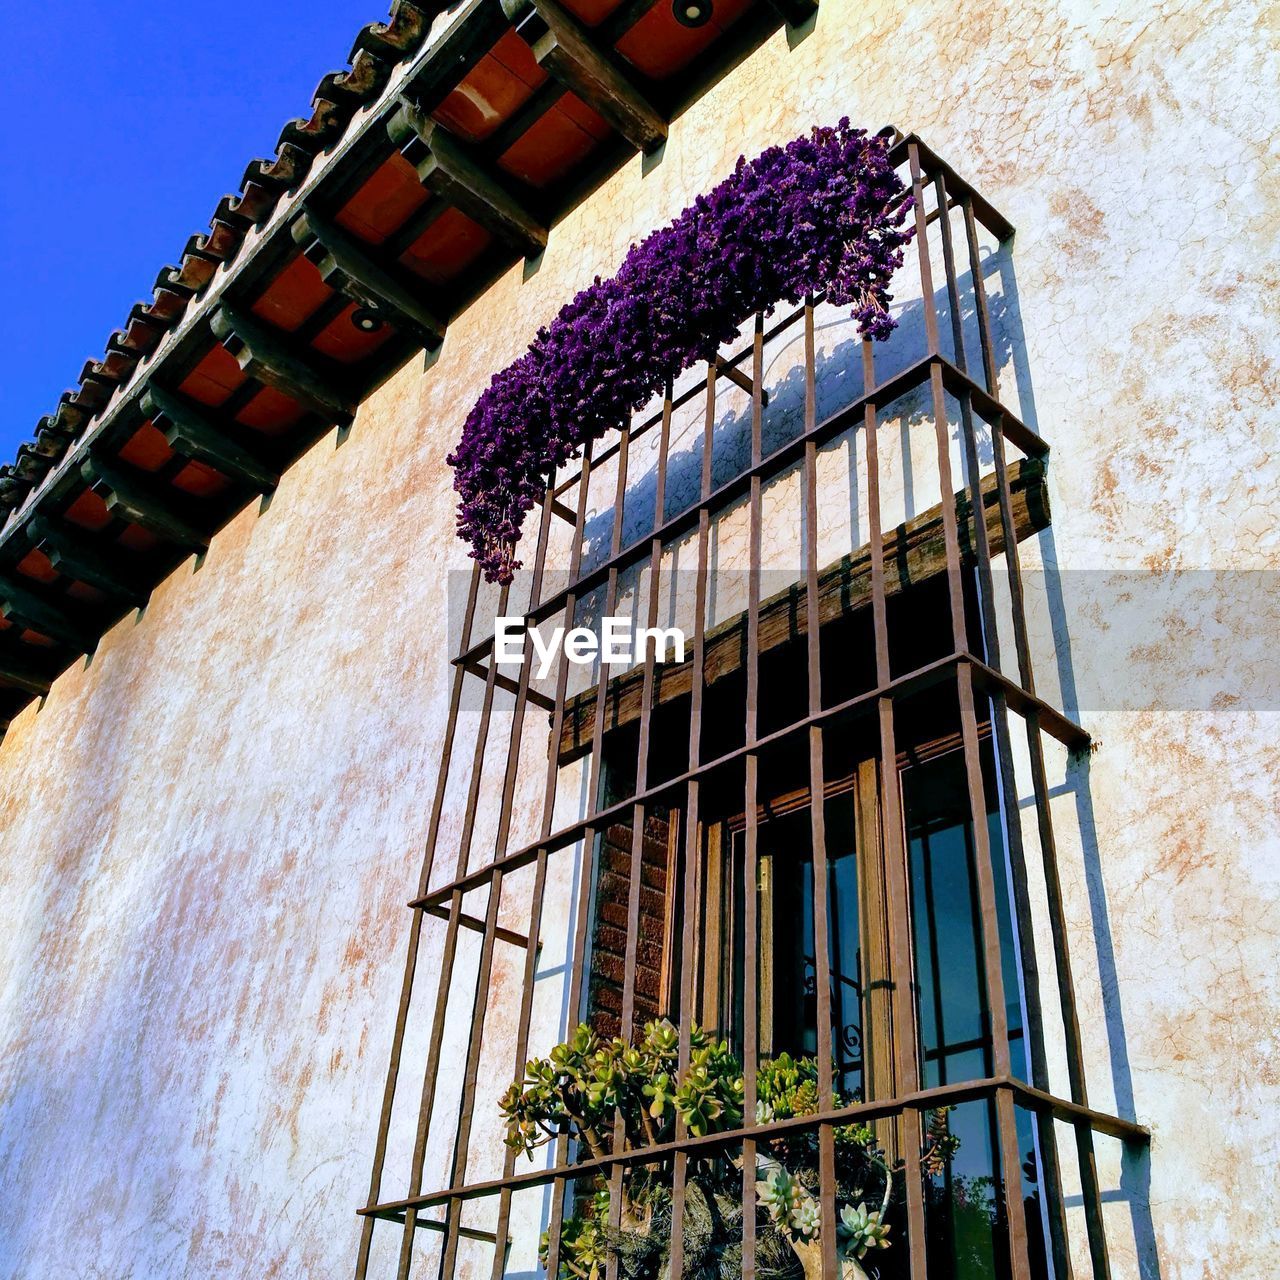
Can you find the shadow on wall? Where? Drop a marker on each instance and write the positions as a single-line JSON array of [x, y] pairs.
[[1135, 1169], [838, 384]]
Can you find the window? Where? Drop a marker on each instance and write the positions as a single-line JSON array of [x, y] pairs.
[[813, 836]]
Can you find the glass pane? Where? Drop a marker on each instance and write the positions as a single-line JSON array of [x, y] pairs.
[[965, 1217], [786, 959], [955, 1040]]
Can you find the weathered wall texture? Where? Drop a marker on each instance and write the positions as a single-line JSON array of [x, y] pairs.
[[210, 831]]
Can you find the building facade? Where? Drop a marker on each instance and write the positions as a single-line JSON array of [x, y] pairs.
[[248, 680]]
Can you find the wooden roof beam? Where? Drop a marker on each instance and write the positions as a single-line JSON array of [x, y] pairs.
[[456, 53], [564, 49], [194, 435], [265, 355], [795, 12], [450, 170], [18, 673], [136, 501], [29, 610], [73, 554], [346, 266]]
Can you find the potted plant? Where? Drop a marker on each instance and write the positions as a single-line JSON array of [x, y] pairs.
[[588, 1083]]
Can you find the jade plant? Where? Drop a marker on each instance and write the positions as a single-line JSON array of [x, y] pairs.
[[588, 1085], [584, 1082]]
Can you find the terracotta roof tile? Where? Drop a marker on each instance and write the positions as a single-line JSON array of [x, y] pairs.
[[339, 95]]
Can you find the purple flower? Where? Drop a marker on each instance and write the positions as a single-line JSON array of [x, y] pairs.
[[826, 212]]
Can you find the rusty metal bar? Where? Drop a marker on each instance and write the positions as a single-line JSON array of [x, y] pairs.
[[922, 253], [582, 922], [629, 962], [465, 1233], [946, 1095], [902, 1007], [431, 1073], [1035, 719], [479, 1004], [528, 980], [476, 925], [508, 685], [751, 781], [638, 816], [818, 822], [792, 451], [590, 832], [415, 937], [540, 875], [993, 978], [1024, 923], [693, 838]]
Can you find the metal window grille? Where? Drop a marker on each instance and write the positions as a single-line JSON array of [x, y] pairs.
[[545, 787]]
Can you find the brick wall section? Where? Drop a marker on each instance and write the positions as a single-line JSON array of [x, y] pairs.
[[609, 930]]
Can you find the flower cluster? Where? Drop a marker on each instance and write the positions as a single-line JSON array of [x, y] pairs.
[[826, 212]]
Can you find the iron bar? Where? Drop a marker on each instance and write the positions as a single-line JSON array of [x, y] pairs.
[[476, 925], [907, 380], [751, 780], [906, 1072], [480, 1004], [991, 967], [1035, 718], [1023, 921], [431, 1073], [550, 788], [817, 819], [946, 1095], [632, 942], [415, 936], [582, 921], [692, 882]]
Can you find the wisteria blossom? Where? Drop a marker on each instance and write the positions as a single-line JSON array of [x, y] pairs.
[[824, 213]]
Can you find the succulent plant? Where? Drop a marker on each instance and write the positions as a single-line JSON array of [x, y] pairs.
[[585, 1084], [806, 1220], [660, 1091], [859, 1231], [780, 1194]]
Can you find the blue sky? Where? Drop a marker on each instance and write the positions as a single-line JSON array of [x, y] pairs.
[[124, 124]]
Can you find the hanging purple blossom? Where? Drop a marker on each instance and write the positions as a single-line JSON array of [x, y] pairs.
[[824, 213]]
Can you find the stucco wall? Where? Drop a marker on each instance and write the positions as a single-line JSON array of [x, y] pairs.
[[210, 831]]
